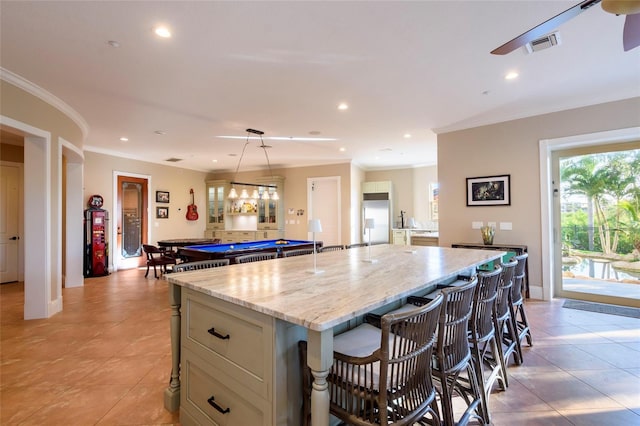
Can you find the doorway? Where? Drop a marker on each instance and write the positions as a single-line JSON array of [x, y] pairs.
[[323, 202], [131, 215], [597, 214], [10, 214]]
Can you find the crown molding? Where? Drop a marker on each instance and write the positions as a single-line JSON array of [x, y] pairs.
[[47, 97]]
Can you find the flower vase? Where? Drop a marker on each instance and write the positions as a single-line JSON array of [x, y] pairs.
[[487, 234]]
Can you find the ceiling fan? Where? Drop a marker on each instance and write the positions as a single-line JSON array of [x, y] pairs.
[[630, 35]]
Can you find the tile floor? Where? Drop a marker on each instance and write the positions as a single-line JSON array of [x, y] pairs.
[[105, 360]]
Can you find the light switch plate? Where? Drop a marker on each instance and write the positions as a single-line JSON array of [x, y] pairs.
[[506, 226], [476, 225]]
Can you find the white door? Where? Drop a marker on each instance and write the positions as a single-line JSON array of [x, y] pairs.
[[323, 202], [9, 210]]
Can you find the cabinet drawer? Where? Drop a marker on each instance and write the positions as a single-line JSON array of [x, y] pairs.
[[237, 340], [202, 388]]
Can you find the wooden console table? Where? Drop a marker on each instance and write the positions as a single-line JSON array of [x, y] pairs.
[[509, 248]]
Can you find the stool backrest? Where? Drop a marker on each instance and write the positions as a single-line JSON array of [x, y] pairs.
[[202, 264], [518, 279], [256, 257], [452, 348], [484, 300], [504, 289]]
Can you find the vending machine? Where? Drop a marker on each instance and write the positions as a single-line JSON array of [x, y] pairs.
[[96, 233]]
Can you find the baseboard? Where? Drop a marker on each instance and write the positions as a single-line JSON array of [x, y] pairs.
[[55, 306], [536, 293]]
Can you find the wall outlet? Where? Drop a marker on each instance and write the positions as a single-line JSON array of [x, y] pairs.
[[476, 225], [506, 226]]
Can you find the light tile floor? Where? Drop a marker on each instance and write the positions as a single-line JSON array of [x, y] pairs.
[[105, 360]]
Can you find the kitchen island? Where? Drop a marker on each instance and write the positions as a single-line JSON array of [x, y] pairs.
[[236, 336]]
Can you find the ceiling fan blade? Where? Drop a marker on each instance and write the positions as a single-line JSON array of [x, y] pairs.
[[545, 28], [631, 32]]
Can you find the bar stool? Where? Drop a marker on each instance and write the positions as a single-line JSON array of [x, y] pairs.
[[453, 355], [518, 314], [505, 332], [485, 351], [382, 376], [256, 257]]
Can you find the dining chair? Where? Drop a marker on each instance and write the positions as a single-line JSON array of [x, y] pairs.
[[158, 257]]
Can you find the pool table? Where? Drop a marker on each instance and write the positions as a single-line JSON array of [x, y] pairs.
[[231, 251], [181, 242]]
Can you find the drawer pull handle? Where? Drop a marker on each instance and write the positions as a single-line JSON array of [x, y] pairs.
[[217, 407], [213, 332]]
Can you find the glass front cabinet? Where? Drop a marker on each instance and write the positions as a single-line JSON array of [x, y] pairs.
[[217, 192], [270, 210]]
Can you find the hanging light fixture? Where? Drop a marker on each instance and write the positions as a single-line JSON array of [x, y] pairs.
[[264, 147], [233, 193]]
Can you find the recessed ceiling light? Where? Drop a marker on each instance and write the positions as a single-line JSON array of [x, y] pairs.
[[113, 44], [214, 161], [124, 139], [407, 135], [160, 132], [343, 149], [343, 106], [162, 32], [511, 75]]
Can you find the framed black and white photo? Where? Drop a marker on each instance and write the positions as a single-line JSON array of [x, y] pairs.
[[162, 197], [162, 212], [489, 191]]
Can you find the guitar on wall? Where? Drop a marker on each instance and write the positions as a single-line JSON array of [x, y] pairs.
[[192, 209]]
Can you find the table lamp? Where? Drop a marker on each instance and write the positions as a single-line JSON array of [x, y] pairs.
[[369, 224], [313, 227]]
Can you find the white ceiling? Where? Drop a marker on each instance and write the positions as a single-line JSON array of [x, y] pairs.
[[283, 67]]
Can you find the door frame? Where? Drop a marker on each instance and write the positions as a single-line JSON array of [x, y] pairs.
[[550, 235], [114, 248]]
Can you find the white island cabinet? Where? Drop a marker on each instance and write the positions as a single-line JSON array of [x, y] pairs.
[[234, 330]]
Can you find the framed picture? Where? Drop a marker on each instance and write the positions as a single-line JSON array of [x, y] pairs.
[[162, 197], [162, 212], [489, 191]]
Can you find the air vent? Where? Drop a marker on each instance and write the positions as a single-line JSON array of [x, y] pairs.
[[173, 160], [542, 43]]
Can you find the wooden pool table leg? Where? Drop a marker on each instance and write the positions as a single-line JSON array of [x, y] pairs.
[[320, 359], [172, 393]]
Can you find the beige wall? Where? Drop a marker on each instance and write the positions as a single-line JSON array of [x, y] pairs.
[[22, 106], [31, 112], [99, 177], [513, 148], [295, 193], [410, 192]]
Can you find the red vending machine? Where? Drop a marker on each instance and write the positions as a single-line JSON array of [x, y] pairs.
[[96, 244]]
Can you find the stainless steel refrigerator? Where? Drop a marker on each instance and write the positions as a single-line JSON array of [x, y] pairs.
[[377, 206]]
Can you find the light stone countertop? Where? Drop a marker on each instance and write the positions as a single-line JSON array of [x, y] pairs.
[[348, 287]]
